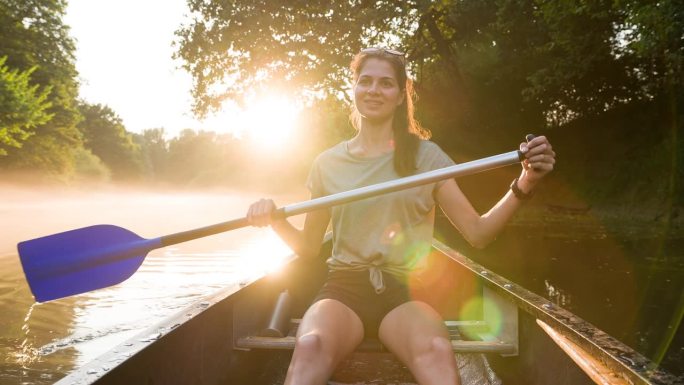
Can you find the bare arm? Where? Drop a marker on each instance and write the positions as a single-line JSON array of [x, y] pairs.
[[478, 229], [305, 242]]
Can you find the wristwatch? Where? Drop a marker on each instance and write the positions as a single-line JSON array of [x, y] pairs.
[[519, 193]]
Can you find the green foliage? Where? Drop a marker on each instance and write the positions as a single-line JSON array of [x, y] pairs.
[[155, 153], [235, 47], [89, 167], [105, 135], [194, 157], [32, 35], [482, 65], [44, 154], [577, 72], [605, 166], [487, 72], [652, 33], [22, 106]]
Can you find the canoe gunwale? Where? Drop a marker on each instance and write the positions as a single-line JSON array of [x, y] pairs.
[[617, 356]]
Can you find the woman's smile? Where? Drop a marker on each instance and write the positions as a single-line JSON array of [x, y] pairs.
[[376, 92], [374, 103]]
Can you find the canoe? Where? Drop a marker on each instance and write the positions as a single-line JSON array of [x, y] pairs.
[[501, 332]]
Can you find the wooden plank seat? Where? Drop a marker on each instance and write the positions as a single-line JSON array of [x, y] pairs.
[[456, 330]]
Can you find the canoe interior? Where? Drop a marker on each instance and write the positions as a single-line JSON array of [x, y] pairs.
[[198, 345]]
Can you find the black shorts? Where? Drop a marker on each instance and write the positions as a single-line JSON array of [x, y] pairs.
[[354, 289]]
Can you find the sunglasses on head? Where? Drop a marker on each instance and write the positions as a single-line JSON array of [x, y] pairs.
[[384, 50]]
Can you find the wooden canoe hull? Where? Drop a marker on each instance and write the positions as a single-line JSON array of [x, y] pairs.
[[198, 345]]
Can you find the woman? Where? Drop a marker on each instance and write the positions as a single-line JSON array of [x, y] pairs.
[[376, 241]]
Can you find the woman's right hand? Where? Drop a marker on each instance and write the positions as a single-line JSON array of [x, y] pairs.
[[260, 213]]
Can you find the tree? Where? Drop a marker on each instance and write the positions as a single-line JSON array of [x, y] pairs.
[[22, 106], [651, 32], [106, 137], [238, 46], [155, 152], [89, 167], [197, 158], [32, 35], [483, 66], [577, 71]]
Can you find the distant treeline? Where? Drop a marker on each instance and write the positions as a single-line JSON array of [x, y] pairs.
[[600, 78], [48, 134]]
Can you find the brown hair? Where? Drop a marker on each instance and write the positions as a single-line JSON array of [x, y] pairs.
[[406, 129]]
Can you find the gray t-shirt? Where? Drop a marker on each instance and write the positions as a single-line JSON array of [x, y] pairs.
[[389, 233]]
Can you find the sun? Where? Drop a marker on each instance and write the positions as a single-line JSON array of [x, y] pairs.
[[268, 122]]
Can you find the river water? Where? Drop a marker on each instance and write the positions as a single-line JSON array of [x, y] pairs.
[[631, 287], [40, 343]]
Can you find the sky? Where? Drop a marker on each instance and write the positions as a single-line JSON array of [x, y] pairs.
[[123, 57]]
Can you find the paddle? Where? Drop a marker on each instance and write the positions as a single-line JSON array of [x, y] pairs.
[[95, 257]]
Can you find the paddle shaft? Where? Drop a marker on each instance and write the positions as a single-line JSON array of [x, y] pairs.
[[327, 201]]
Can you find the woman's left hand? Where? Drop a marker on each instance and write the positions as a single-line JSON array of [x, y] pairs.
[[539, 160]]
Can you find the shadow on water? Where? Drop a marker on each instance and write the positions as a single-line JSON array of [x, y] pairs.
[[630, 286]]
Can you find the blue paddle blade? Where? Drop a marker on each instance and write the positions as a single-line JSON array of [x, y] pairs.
[[82, 260]]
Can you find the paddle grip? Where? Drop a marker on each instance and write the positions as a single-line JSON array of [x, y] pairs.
[[529, 138]]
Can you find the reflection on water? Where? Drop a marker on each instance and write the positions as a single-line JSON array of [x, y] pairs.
[[40, 343], [163, 284], [28, 353], [558, 296]]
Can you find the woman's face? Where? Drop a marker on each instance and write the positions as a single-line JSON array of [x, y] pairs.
[[376, 92]]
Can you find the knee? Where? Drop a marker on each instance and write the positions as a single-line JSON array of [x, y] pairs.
[[309, 347], [309, 344], [437, 350], [442, 346]]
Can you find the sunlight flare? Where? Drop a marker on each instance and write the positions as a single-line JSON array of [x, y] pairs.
[[269, 122], [266, 254]]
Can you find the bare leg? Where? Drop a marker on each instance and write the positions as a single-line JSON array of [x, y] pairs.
[[416, 334], [329, 331]]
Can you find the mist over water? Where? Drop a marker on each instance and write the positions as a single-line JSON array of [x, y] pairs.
[[42, 342]]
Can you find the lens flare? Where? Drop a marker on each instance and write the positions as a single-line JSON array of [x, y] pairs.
[[391, 234], [479, 308], [416, 252], [265, 256]]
